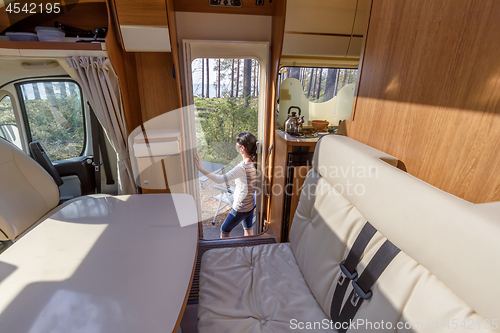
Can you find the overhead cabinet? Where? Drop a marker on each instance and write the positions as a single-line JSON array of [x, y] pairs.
[[143, 25]]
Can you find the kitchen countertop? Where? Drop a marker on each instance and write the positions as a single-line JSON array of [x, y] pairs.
[[291, 138]]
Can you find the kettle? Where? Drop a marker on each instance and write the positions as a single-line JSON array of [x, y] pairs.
[[293, 124]]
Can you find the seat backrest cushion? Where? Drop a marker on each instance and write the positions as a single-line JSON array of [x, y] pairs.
[[450, 249], [27, 191]]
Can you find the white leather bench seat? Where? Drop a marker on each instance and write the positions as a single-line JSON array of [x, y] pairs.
[[27, 191], [253, 289], [443, 280]]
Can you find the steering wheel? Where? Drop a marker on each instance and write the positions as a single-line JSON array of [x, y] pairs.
[[39, 155]]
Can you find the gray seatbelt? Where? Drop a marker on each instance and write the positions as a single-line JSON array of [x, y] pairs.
[[99, 148], [362, 285], [94, 125], [105, 157], [348, 268]]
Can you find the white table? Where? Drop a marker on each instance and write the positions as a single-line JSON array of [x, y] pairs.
[[110, 264]]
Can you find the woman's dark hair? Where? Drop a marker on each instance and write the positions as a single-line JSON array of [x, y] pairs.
[[248, 141]]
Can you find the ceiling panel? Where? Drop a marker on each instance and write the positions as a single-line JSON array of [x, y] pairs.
[[320, 16], [12, 69], [361, 17], [323, 28], [355, 47], [207, 26], [315, 45]]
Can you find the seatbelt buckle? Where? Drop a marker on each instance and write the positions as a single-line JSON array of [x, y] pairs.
[[344, 273], [97, 166], [359, 293]]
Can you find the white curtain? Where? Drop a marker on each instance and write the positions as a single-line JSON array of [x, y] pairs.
[[100, 85]]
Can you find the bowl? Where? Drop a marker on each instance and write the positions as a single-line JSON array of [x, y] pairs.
[[46, 34], [319, 125], [40, 28], [22, 36]]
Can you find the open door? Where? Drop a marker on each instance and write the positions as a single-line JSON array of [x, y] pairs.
[[227, 90]]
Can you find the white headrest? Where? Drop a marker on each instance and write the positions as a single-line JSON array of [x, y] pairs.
[[454, 239], [27, 191]]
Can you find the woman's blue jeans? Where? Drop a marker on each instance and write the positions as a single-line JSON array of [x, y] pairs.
[[234, 218]]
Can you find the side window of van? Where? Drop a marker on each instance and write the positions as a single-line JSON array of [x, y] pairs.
[[320, 84], [54, 116], [8, 125]]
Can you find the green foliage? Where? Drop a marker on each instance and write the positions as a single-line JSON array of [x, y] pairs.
[[58, 126], [56, 122], [6, 111], [221, 119]]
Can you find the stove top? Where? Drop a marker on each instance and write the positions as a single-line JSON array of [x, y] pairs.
[[308, 134]]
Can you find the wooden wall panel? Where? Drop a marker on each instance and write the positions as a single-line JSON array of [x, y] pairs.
[[157, 86], [85, 14], [275, 214], [429, 92], [172, 25], [278, 30], [158, 94], [125, 68], [299, 177], [149, 89], [4, 19], [7, 44], [143, 12]]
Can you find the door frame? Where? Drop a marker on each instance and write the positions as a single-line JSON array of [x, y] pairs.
[[194, 49]]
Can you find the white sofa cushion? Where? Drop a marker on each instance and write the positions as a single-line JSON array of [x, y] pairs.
[[443, 280], [325, 227], [253, 289], [453, 239], [27, 191]]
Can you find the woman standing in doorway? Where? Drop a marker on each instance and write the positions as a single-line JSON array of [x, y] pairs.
[[244, 175]]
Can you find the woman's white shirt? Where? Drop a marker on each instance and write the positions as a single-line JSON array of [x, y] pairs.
[[245, 178]]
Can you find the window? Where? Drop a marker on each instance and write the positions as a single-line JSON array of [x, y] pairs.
[[8, 126], [54, 115], [226, 98], [320, 84]]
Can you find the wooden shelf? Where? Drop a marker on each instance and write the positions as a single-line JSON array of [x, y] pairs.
[[50, 46]]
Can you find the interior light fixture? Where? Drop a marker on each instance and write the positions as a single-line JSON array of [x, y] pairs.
[[40, 64]]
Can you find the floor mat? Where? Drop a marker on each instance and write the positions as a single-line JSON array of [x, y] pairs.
[[189, 323]]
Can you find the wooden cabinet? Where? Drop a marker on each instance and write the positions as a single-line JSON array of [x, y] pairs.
[[144, 12], [292, 161], [162, 175]]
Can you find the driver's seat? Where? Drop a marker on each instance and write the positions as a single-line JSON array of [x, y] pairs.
[[27, 191]]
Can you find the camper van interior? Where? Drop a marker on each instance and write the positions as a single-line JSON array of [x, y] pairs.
[[249, 166]]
